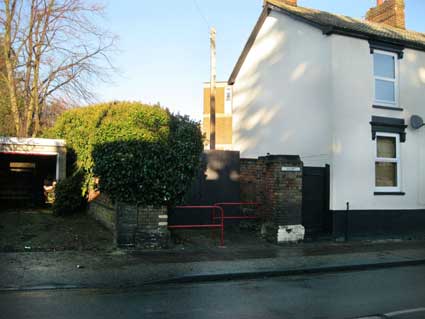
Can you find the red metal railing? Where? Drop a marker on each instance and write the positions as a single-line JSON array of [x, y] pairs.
[[236, 204], [213, 218]]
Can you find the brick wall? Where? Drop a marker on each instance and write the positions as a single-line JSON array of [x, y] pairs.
[[291, 2], [126, 224], [132, 225], [248, 179], [223, 120], [275, 182], [103, 211], [288, 2], [223, 129], [142, 226], [280, 191], [152, 228]]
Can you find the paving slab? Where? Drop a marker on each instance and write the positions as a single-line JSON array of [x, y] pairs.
[[130, 268]]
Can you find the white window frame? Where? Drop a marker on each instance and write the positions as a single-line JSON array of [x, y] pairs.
[[388, 160], [395, 80], [228, 102]]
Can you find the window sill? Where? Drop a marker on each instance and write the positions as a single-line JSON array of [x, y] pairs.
[[376, 106], [389, 193]]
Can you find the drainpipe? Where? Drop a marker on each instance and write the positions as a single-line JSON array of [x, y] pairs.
[[346, 220]]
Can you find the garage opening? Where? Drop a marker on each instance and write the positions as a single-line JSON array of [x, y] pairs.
[[22, 178], [26, 166]]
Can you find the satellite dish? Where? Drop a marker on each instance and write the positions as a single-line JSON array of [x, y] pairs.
[[416, 122]]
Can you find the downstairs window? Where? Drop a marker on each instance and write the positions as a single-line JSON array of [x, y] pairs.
[[387, 162]]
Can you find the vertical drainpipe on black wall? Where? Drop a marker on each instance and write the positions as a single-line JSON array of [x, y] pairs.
[[346, 221]]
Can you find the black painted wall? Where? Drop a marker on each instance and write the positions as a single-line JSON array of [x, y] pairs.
[[379, 224]]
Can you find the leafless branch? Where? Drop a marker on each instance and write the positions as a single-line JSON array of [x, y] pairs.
[[53, 50]]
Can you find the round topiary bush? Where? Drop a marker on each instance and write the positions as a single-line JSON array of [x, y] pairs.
[[141, 153]]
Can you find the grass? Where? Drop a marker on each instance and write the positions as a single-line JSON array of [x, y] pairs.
[[40, 230]]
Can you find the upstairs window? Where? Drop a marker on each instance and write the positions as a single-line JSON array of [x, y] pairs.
[[385, 70]]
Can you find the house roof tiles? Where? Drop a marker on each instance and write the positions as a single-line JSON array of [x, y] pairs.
[[331, 23], [335, 23]]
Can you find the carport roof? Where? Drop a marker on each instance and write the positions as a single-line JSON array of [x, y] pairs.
[[5, 140]]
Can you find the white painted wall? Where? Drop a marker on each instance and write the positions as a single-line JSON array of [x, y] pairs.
[[353, 165], [300, 92], [281, 97]]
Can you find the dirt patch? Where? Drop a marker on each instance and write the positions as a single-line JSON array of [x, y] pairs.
[[40, 230], [236, 236]]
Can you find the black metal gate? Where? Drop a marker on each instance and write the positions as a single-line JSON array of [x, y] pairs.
[[217, 181], [316, 217]]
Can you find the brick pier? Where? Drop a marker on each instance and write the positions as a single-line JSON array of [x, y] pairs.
[[275, 181]]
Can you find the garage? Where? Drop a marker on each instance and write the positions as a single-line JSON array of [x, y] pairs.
[[26, 166]]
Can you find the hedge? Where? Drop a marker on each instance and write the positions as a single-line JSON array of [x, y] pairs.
[[68, 197], [141, 153]]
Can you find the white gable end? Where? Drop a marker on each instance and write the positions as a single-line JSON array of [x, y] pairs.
[[282, 92]]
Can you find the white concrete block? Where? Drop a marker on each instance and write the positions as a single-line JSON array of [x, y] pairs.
[[290, 233]]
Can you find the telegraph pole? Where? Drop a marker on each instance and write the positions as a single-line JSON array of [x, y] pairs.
[[212, 88]]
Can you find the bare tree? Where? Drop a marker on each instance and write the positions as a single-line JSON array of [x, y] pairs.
[[52, 49], [51, 112]]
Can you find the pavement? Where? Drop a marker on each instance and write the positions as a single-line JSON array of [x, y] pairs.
[[131, 268]]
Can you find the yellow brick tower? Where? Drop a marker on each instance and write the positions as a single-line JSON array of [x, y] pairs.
[[224, 96]]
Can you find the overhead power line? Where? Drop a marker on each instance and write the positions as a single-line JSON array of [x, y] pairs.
[[203, 16]]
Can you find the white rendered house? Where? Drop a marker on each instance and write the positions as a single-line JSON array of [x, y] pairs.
[[340, 92]]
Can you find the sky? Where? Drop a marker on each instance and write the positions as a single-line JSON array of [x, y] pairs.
[[164, 45]]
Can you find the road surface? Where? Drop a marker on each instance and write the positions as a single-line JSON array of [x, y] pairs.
[[399, 292]]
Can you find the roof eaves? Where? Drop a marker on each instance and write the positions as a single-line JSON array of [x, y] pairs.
[[249, 44], [367, 36], [298, 17]]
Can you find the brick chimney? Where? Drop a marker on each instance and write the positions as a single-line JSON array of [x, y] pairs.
[[291, 2], [288, 2], [390, 12]]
